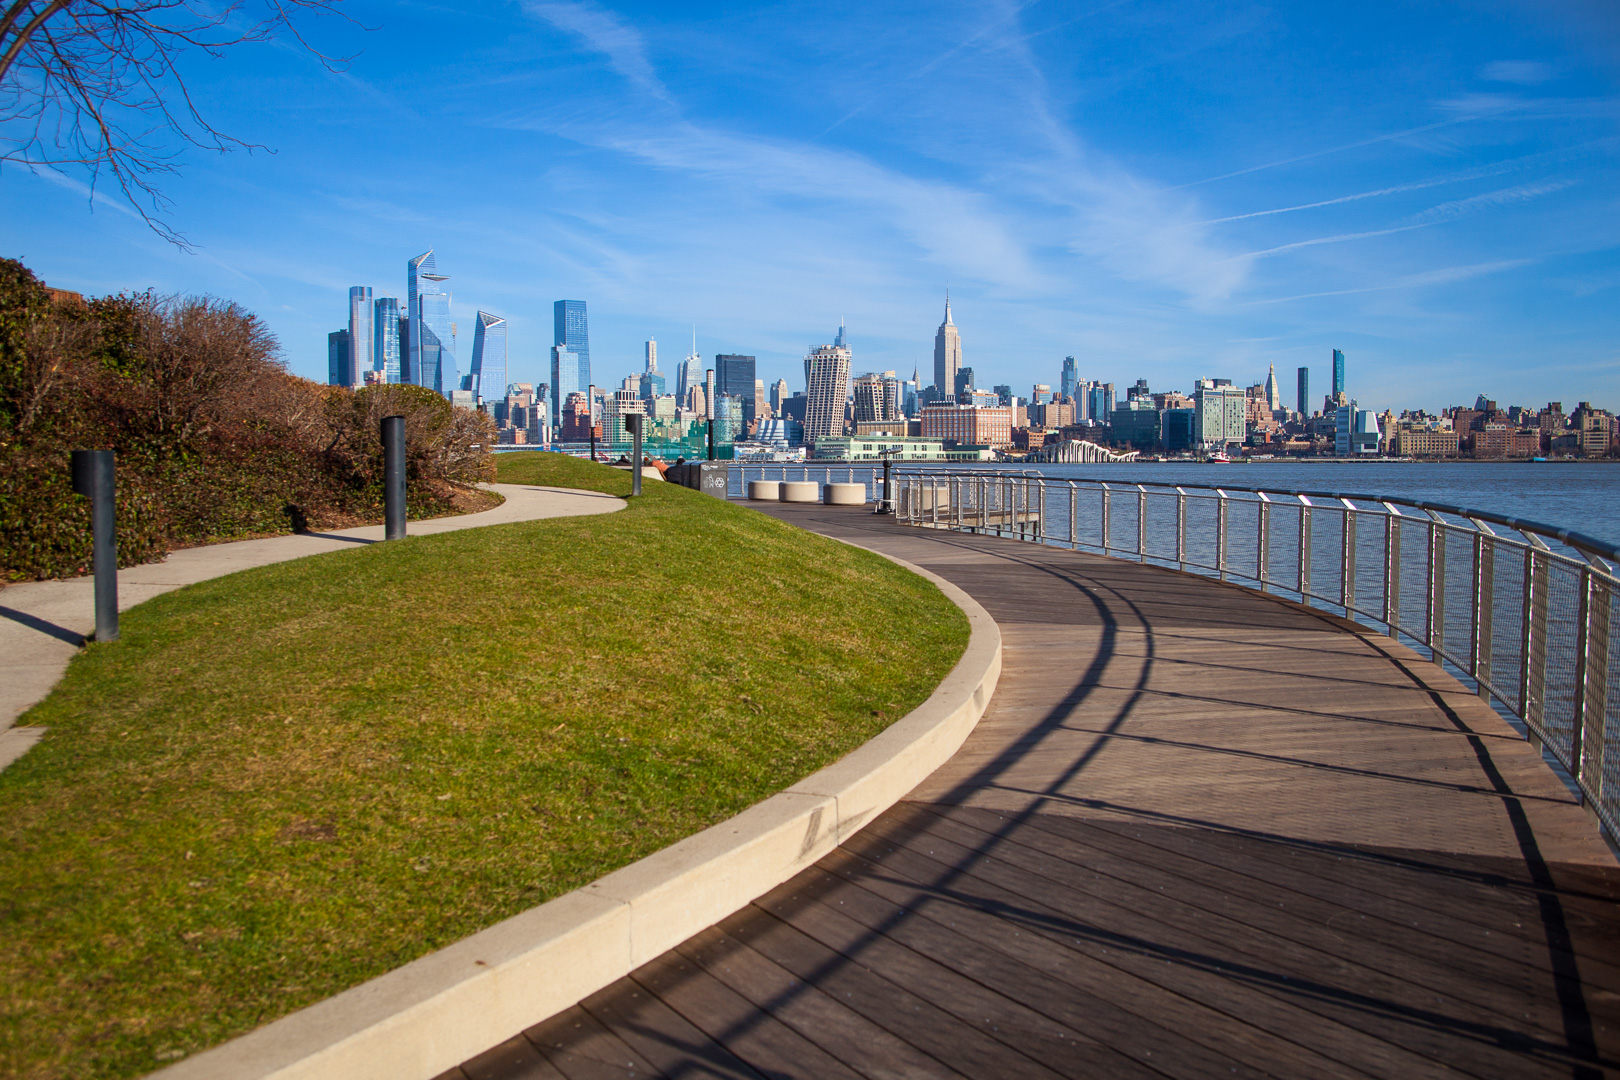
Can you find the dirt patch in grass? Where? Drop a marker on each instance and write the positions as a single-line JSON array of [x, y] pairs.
[[283, 782]]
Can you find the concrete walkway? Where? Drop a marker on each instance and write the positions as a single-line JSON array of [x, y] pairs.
[[1199, 832], [44, 623]]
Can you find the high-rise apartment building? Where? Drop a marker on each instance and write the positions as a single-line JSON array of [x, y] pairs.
[[1220, 412], [432, 334], [1338, 374], [487, 378], [1070, 379], [828, 369], [570, 329], [734, 376], [870, 405], [947, 354], [337, 358], [385, 338], [1304, 392], [359, 333]]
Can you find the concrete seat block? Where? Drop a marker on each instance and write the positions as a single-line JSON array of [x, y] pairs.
[[803, 491], [844, 494], [765, 490]]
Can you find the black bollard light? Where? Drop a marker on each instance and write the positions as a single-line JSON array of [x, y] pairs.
[[886, 504], [93, 477], [393, 441], [633, 421], [593, 440], [711, 438]]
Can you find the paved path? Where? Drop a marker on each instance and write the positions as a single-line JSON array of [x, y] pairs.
[[43, 623], [1199, 832]]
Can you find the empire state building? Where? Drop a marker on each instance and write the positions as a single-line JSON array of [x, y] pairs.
[[947, 354]]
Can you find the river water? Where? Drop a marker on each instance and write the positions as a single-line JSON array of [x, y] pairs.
[[1568, 495]]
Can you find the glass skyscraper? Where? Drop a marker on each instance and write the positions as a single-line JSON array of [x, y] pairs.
[[488, 376], [572, 331], [337, 358], [1304, 392], [566, 368], [432, 338], [385, 339], [1071, 376], [734, 375], [1338, 374], [360, 336]]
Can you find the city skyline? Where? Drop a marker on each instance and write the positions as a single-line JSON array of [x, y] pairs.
[[1167, 194]]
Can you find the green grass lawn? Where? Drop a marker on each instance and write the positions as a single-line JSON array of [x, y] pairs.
[[283, 782]]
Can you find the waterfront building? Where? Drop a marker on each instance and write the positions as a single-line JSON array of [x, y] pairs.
[[385, 338], [1355, 431], [570, 328], [972, 425], [360, 335], [432, 334], [488, 355], [947, 353], [1304, 399], [895, 448], [1177, 429], [1338, 377], [1135, 423], [1069, 382], [828, 370], [1220, 413], [337, 358], [569, 375]]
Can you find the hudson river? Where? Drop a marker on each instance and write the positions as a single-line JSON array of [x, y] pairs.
[[1583, 497]]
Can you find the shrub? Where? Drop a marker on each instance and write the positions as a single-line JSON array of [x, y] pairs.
[[214, 439]]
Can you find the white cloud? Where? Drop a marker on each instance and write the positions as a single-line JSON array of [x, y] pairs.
[[605, 33], [1523, 72]]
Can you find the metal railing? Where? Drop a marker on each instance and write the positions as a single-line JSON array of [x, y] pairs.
[[823, 472], [1524, 611]]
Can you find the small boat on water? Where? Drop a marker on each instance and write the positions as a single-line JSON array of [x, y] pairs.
[[1218, 458]]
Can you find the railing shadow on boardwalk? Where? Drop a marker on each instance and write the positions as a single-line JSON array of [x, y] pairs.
[[992, 926]]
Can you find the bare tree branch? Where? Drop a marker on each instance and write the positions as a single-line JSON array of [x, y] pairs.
[[97, 84]]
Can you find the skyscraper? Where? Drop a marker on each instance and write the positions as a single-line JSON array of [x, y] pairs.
[[1338, 374], [568, 320], [360, 336], [488, 376], [690, 374], [779, 393], [947, 354], [734, 375], [1071, 377], [337, 358], [432, 335], [385, 337], [652, 354], [1304, 392], [568, 376], [828, 367], [1273, 392]]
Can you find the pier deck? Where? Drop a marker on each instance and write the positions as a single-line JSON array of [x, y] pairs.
[[1199, 832]]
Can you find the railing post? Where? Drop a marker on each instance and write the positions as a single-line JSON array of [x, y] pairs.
[[1484, 605], [1220, 532], [1107, 496], [1583, 638], [1262, 547], [1304, 547], [1392, 570], [1593, 691], [1181, 529], [95, 477], [1074, 514], [1347, 557], [1141, 523], [1435, 601], [1533, 677]]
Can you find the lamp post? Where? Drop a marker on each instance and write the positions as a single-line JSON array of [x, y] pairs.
[[93, 477], [633, 422], [885, 505]]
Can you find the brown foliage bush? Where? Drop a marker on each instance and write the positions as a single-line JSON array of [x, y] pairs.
[[214, 439]]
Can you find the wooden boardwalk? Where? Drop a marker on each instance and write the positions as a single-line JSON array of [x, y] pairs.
[[1199, 832]]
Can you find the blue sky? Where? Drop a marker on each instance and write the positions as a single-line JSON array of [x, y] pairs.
[[1162, 190]]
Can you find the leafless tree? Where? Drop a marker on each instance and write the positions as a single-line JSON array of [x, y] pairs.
[[97, 84]]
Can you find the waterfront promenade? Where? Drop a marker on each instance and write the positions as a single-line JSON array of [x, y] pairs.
[[1199, 832]]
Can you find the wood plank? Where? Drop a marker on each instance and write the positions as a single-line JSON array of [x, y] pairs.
[[662, 1036]]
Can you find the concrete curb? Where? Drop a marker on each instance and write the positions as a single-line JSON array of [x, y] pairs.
[[429, 1016]]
